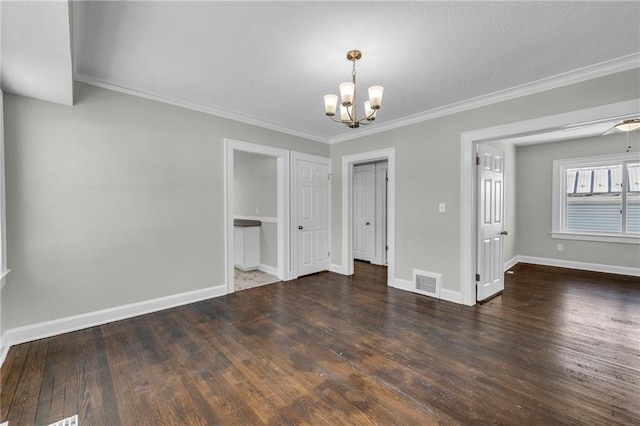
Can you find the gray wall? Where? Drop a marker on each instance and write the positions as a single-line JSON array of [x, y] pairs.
[[428, 170], [269, 244], [534, 210], [255, 184], [115, 200]]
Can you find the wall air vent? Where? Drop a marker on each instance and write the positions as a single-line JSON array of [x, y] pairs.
[[427, 283], [69, 421]]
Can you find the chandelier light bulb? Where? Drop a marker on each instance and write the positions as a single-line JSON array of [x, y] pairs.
[[344, 113], [375, 96], [330, 104], [347, 90], [369, 112]]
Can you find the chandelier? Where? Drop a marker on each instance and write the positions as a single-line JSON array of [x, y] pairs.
[[348, 111]]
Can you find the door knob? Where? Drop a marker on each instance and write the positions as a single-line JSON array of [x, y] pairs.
[[368, 223], [504, 233], [299, 226]]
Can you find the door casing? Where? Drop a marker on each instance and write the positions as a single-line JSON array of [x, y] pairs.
[[348, 161]]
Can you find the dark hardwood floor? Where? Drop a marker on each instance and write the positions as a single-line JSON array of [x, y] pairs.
[[557, 347]]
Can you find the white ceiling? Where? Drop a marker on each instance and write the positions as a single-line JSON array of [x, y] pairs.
[[270, 63]]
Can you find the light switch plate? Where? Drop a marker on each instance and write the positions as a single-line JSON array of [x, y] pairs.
[[441, 208]]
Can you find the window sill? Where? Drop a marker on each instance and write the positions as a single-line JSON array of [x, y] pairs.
[[604, 238]]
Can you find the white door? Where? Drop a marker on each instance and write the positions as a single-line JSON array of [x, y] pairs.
[[490, 272], [364, 206], [311, 213]]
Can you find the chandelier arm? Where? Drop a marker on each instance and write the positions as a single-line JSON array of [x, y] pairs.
[[370, 117], [337, 121]]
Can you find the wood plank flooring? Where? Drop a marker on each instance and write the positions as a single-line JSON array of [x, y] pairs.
[[557, 347]]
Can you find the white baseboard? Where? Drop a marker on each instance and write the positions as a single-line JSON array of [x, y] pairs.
[[451, 296], [446, 295], [402, 284], [510, 263], [338, 269], [4, 348], [41, 330], [594, 267], [268, 269]]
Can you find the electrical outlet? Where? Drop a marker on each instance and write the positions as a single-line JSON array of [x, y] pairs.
[[441, 208], [560, 247], [257, 210]]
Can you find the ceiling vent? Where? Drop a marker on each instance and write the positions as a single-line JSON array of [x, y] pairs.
[[427, 283]]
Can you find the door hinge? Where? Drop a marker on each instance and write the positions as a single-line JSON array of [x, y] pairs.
[[329, 253], [478, 277], [386, 179], [386, 247], [477, 160], [329, 176]]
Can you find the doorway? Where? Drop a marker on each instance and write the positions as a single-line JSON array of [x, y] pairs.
[[468, 178], [255, 220], [349, 163], [274, 158], [369, 195]]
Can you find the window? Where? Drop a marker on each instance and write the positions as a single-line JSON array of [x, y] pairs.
[[597, 198]]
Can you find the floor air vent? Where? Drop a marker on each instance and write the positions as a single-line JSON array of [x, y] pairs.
[[69, 421], [427, 283]]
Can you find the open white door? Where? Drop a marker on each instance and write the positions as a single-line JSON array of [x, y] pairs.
[[364, 213], [311, 213], [490, 272]]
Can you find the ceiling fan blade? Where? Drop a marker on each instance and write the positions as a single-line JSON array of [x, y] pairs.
[[611, 130]]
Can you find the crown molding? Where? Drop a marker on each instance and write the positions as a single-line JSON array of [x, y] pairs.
[[602, 69], [590, 72], [200, 107]]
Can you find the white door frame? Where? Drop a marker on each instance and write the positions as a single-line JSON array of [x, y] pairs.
[[282, 159], [468, 175], [294, 206], [348, 162]]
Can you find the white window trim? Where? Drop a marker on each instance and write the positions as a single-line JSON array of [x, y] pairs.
[[559, 199]]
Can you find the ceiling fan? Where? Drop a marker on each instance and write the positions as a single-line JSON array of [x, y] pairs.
[[606, 127], [627, 125]]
